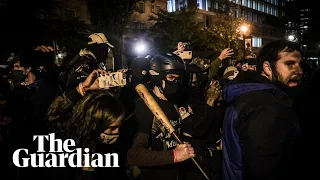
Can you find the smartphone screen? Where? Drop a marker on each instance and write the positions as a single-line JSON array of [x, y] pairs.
[[112, 80], [185, 55]]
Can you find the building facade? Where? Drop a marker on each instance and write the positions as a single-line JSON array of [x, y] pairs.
[[302, 27], [69, 9], [293, 21], [139, 21], [266, 16], [267, 19], [137, 25]]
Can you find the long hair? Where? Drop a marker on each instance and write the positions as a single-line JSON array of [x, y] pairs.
[[91, 116]]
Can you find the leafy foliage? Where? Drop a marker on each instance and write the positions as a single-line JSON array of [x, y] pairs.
[[182, 26], [172, 28], [110, 15], [71, 33]]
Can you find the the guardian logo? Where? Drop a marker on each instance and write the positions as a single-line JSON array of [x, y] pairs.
[[61, 153]]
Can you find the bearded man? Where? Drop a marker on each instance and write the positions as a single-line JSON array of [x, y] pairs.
[[260, 125]]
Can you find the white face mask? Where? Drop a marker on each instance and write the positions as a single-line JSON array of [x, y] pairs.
[[108, 138]]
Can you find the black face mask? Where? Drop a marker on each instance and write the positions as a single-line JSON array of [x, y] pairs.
[[17, 75], [100, 51], [172, 91]]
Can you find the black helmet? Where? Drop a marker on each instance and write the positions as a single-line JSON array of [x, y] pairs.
[[167, 63]]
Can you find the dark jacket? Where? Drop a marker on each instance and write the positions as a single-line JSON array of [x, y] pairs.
[[258, 130]]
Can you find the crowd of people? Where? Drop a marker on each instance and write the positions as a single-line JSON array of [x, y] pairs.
[[248, 119]]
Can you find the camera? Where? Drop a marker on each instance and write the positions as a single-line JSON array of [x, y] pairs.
[[186, 44], [187, 53]]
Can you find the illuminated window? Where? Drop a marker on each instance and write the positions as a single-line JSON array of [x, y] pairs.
[[244, 2], [249, 3], [256, 42], [199, 4], [207, 5], [254, 5], [171, 5], [260, 6]]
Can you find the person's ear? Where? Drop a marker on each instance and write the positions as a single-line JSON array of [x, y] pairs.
[[267, 68]]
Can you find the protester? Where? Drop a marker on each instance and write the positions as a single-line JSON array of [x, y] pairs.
[[260, 125]]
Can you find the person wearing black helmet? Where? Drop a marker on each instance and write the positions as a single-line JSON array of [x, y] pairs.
[[154, 151]]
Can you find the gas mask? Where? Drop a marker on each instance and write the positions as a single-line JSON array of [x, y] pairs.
[[18, 75], [108, 138]]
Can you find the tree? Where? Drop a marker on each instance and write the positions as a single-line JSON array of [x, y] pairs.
[[226, 26], [110, 17], [71, 34], [182, 26], [172, 28]]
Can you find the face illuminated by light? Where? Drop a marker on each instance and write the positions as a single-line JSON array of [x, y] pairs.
[[288, 70]]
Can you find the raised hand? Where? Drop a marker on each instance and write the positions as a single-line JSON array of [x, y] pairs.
[[92, 81], [213, 92], [225, 53], [180, 48]]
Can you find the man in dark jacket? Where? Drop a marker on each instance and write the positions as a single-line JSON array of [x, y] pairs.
[[259, 125]]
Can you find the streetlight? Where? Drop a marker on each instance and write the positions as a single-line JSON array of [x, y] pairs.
[[141, 48], [244, 29], [292, 38]]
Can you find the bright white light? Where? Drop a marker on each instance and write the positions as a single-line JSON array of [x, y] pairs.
[[140, 47], [244, 28], [291, 37], [59, 55]]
